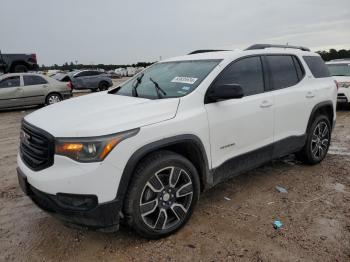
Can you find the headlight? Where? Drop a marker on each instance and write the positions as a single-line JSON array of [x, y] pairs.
[[344, 84], [90, 149]]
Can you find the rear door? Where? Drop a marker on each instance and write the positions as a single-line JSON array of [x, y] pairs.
[[86, 80], [34, 90], [93, 79], [293, 98], [10, 92]]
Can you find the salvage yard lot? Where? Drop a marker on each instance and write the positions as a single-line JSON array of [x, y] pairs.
[[232, 221]]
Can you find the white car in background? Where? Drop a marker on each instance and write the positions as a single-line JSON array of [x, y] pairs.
[[340, 70]]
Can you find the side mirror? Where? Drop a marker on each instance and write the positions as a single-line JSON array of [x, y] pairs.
[[225, 92]]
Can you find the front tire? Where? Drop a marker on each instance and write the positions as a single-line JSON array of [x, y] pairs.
[[317, 142], [161, 195]]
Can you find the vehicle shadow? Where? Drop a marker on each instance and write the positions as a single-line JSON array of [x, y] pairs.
[[20, 109]]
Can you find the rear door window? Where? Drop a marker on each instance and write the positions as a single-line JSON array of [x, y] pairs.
[[246, 72], [317, 66], [11, 81], [31, 80], [283, 72]]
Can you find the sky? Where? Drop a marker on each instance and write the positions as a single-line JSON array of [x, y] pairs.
[[130, 31]]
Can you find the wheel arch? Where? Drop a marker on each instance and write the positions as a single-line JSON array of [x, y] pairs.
[[189, 146], [102, 82], [323, 108]]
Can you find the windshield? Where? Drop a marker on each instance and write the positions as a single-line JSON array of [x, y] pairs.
[[339, 69], [168, 79]]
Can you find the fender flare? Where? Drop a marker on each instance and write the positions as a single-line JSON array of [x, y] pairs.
[[129, 168], [316, 108]]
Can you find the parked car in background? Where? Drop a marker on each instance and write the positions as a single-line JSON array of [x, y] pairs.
[[181, 126], [130, 71], [14, 63], [112, 74], [86, 79], [121, 71], [340, 70], [23, 89]]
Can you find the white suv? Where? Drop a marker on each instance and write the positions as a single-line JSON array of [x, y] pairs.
[[144, 151], [340, 70]]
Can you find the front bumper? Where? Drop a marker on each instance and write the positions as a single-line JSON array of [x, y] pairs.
[[74, 209]]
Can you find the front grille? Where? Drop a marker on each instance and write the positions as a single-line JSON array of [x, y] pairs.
[[36, 147]]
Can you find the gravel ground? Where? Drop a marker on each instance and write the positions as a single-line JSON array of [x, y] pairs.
[[232, 222]]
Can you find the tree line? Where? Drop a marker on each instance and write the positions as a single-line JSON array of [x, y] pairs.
[[334, 54], [326, 55], [71, 66]]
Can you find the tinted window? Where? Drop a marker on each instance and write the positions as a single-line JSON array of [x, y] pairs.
[[317, 66], [339, 69], [282, 71], [87, 73], [10, 82], [246, 72], [30, 80]]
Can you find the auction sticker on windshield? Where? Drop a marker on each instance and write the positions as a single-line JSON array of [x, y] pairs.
[[184, 80]]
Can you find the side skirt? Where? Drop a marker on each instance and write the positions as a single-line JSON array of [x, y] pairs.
[[248, 161]]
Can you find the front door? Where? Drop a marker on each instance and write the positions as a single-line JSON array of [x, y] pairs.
[[241, 129]]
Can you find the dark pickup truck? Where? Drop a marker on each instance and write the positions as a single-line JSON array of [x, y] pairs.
[[18, 63]]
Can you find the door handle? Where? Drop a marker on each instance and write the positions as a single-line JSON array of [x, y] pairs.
[[265, 104], [310, 94]]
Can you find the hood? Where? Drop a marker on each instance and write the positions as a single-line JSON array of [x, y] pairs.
[[101, 114]]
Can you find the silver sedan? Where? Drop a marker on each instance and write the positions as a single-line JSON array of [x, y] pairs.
[[23, 89]]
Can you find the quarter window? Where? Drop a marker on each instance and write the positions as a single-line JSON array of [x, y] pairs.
[[317, 66], [11, 81], [30, 80], [246, 72], [283, 72]]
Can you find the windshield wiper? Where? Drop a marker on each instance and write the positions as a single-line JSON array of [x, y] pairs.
[[136, 84], [160, 91]]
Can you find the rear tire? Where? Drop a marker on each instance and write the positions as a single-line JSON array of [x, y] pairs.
[[317, 141], [162, 194], [53, 98], [103, 86]]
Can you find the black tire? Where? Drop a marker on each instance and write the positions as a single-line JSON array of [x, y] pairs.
[[317, 141], [20, 69], [53, 98], [174, 203], [103, 86]]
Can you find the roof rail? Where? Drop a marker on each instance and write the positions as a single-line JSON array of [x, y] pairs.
[[263, 46], [205, 51]]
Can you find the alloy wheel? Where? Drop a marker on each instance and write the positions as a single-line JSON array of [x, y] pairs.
[[166, 198], [54, 99], [320, 140]]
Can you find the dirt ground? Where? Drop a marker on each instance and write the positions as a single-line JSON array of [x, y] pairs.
[[232, 222]]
